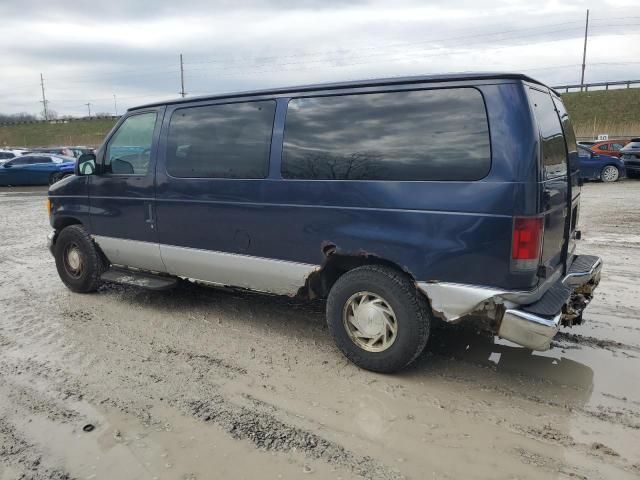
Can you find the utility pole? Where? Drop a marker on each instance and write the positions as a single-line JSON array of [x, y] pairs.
[[115, 104], [584, 52], [182, 93], [88, 104], [44, 99]]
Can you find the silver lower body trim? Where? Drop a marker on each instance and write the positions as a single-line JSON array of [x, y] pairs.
[[268, 275], [255, 273], [132, 253], [451, 301]]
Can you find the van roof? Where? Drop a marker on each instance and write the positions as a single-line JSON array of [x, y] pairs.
[[352, 84]]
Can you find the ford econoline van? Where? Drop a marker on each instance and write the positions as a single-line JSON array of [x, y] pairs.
[[401, 201]]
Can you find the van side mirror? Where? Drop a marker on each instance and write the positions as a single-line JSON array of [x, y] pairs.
[[86, 164]]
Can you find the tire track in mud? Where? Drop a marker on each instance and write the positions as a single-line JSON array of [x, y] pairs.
[[260, 428], [268, 433], [35, 402], [584, 340], [20, 455]]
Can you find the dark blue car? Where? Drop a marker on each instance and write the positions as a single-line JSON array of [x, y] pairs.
[[401, 201], [599, 167], [36, 169]]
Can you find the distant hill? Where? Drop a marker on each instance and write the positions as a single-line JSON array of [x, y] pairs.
[[614, 112], [77, 132]]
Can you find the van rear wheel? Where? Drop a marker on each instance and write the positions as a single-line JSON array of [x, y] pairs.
[[78, 261], [377, 318]]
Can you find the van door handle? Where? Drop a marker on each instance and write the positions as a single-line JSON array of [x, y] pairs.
[[149, 214]]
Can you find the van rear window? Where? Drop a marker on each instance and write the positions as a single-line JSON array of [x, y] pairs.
[[438, 134], [221, 141], [553, 148]]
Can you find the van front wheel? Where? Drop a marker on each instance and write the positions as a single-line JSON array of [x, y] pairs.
[[377, 318], [78, 261]]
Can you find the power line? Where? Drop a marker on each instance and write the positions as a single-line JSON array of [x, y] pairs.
[[437, 39], [436, 47], [342, 52], [378, 52]]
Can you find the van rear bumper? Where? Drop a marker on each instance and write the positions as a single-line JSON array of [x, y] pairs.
[[534, 326], [528, 318], [529, 330]]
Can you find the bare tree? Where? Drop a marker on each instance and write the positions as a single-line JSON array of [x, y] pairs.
[[355, 166], [17, 117]]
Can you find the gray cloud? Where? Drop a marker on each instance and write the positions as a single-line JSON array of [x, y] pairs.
[[89, 51]]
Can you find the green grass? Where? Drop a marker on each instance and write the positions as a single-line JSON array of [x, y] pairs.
[[81, 132], [614, 112]]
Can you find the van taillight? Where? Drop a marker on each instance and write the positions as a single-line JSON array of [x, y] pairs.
[[527, 242]]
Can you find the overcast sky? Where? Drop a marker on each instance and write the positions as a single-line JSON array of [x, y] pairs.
[[90, 50]]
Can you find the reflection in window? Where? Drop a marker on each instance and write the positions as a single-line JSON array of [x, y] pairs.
[[221, 141], [554, 150], [417, 135], [129, 150]]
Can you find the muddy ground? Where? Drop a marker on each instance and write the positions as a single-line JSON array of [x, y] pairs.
[[200, 383]]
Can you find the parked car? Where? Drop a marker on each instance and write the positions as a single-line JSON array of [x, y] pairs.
[[18, 151], [78, 151], [586, 144], [594, 166], [6, 155], [631, 157], [64, 151], [391, 198], [609, 147], [36, 169]]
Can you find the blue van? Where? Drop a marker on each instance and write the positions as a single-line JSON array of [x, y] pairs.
[[402, 201]]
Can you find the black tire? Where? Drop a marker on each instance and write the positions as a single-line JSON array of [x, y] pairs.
[[411, 314], [611, 177], [86, 278], [53, 178]]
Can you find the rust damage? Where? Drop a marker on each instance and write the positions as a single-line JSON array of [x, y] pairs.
[[336, 262]]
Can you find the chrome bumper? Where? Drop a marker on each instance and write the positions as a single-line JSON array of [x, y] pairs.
[[529, 330], [453, 302], [535, 331]]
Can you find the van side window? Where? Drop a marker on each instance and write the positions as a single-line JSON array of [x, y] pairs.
[[221, 141], [439, 134], [553, 147], [129, 149]]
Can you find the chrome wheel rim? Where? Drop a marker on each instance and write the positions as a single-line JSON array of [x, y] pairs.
[[370, 322], [73, 261], [610, 174]]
